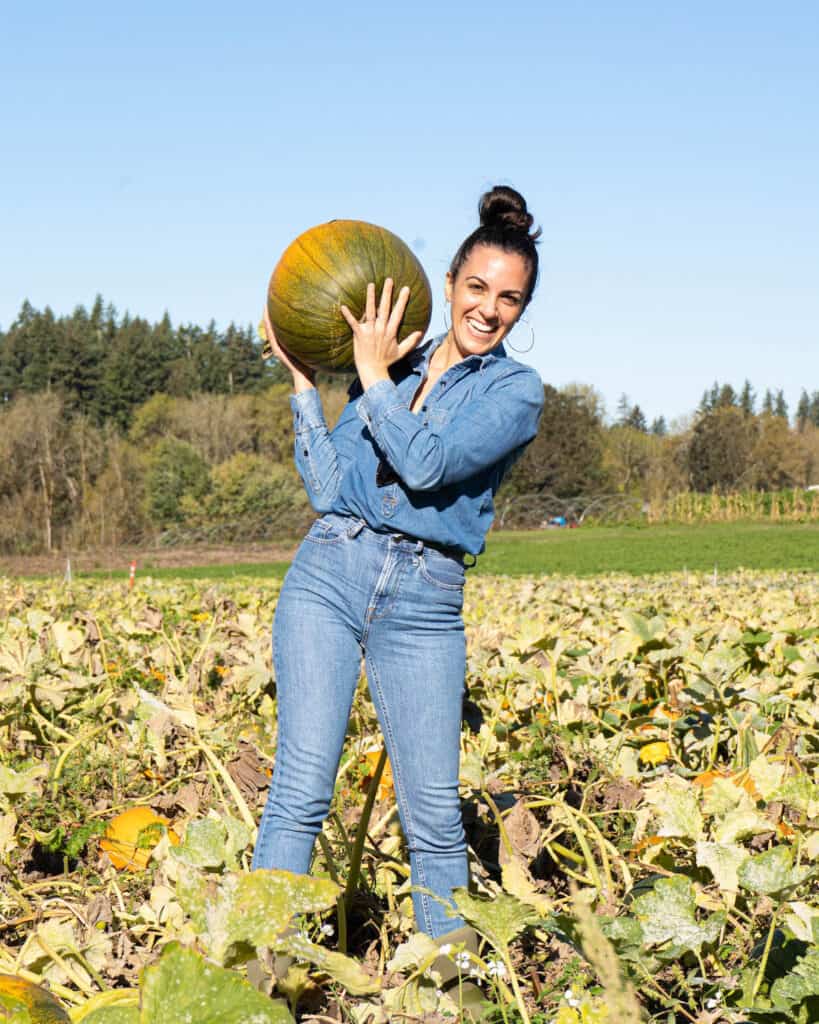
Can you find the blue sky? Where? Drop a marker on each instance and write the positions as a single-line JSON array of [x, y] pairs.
[[164, 154]]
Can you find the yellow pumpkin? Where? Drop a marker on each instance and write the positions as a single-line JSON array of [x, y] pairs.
[[42, 1006], [130, 837]]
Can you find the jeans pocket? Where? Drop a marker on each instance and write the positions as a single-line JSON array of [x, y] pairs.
[[441, 570], [329, 529]]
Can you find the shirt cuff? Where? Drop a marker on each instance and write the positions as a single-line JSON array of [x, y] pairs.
[[377, 402], [307, 411]]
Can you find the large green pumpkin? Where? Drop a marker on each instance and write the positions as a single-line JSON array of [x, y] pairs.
[[329, 266]]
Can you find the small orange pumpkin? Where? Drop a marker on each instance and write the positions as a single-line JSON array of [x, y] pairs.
[[42, 1006], [130, 837]]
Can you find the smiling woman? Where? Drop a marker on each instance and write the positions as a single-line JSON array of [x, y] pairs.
[[406, 484]]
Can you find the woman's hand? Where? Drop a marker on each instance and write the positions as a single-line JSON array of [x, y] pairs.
[[304, 377], [375, 336]]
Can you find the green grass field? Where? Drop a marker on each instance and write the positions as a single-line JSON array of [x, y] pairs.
[[590, 551]]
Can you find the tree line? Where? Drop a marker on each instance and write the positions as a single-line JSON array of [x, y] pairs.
[[105, 366], [197, 444]]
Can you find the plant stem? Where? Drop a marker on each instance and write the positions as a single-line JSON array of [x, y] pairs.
[[765, 953], [361, 831]]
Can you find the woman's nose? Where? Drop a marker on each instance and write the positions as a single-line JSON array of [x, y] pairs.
[[489, 307]]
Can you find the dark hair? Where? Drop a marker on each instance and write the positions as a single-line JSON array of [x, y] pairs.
[[505, 223]]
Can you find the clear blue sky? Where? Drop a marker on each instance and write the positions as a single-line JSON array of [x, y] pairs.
[[164, 154]]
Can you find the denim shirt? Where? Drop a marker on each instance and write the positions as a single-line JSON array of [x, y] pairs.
[[432, 474]]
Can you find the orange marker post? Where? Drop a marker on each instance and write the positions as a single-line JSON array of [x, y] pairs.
[[132, 576]]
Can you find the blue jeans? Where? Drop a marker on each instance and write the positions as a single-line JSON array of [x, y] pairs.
[[351, 591]]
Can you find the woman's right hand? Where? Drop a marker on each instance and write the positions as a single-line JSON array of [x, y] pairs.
[[304, 377]]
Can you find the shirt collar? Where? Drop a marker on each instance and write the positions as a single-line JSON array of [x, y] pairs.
[[420, 357]]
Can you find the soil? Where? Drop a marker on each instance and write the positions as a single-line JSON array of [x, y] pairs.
[[119, 559]]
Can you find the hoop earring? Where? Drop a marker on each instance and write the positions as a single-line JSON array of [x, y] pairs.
[[523, 351]]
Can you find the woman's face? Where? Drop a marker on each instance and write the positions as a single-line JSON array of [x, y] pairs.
[[487, 298]]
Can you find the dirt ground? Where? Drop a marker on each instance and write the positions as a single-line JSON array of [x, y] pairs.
[[145, 558]]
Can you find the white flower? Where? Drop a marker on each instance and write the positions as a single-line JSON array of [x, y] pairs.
[[496, 968], [462, 960], [446, 949], [328, 930], [571, 998], [475, 972]]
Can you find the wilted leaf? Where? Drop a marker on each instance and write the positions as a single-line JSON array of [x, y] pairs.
[[499, 919], [772, 872], [517, 881], [676, 808], [183, 986], [723, 861], [667, 917], [417, 950], [341, 968], [204, 845], [253, 908]]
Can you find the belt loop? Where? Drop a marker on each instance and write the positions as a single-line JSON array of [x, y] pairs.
[[355, 529], [419, 548]]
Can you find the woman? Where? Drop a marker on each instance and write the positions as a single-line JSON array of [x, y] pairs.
[[404, 485]]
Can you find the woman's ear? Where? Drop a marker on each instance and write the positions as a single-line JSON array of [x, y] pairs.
[[448, 287]]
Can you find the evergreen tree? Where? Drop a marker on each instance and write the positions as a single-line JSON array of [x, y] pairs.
[[243, 361], [768, 402], [636, 419], [803, 412], [623, 410], [659, 427], [780, 405], [727, 397], [747, 398], [814, 409]]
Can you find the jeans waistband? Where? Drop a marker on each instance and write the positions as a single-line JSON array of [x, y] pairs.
[[359, 525]]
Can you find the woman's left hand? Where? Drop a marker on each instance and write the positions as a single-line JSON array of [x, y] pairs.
[[375, 336]]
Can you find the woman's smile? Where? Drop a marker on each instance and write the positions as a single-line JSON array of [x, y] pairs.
[[487, 297]]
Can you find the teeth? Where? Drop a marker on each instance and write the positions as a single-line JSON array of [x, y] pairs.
[[480, 328]]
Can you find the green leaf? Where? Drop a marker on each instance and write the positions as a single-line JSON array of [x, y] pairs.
[[667, 917], [113, 1015], [645, 630], [772, 872], [800, 984], [801, 793], [499, 919], [254, 909], [204, 845], [183, 986]]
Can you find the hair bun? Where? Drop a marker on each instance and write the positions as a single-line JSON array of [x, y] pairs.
[[505, 208]]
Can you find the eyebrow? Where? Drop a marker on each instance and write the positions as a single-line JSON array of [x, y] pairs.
[[506, 291]]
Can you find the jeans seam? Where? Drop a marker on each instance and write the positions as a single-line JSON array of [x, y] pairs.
[[401, 791]]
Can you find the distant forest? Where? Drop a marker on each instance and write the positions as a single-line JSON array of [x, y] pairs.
[[104, 365], [117, 430]]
